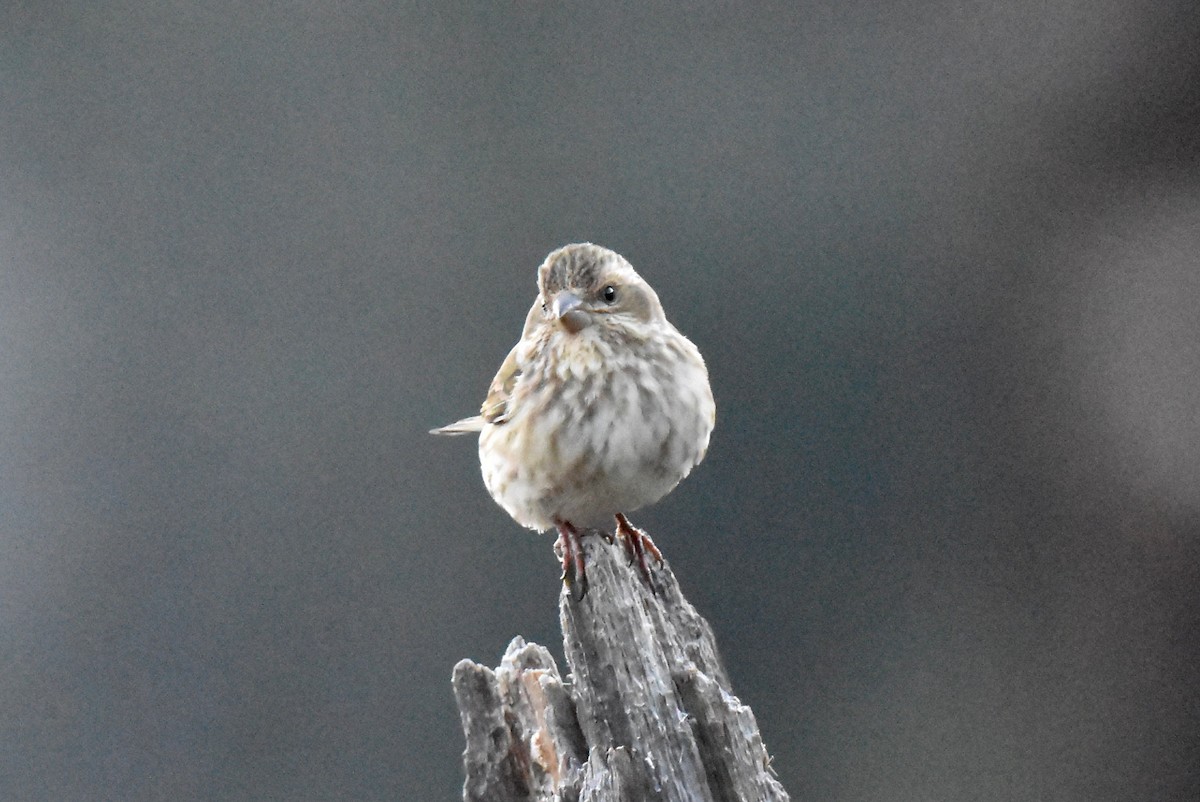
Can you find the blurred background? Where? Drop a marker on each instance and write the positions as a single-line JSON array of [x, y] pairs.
[[941, 259]]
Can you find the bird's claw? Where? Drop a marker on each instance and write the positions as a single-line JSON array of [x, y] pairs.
[[637, 546], [574, 573]]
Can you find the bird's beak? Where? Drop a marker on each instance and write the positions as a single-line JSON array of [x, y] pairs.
[[568, 310]]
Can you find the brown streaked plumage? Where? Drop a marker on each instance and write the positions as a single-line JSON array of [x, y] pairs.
[[600, 408]]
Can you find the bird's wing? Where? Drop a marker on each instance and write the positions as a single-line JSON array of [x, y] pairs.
[[496, 407]]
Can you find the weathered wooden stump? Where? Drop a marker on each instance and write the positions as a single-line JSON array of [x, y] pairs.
[[645, 714]]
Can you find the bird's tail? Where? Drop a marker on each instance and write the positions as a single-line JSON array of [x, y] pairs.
[[471, 425]]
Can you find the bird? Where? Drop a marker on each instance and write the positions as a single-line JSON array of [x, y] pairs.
[[601, 408]]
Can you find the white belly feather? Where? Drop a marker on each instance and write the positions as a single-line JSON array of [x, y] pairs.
[[604, 433]]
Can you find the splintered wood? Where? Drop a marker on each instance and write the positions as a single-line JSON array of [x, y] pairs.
[[645, 714]]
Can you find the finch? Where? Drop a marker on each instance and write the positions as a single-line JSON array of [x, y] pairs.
[[602, 407]]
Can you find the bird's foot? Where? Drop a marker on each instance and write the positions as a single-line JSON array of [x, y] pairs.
[[574, 574], [638, 546]]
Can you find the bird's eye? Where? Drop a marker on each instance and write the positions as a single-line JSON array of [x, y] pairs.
[[609, 294]]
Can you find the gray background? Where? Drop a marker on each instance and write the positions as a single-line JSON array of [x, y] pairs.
[[941, 258]]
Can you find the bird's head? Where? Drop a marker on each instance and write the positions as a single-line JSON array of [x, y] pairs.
[[584, 285]]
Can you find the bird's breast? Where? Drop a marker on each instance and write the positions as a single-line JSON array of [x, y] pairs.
[[597, 429]]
